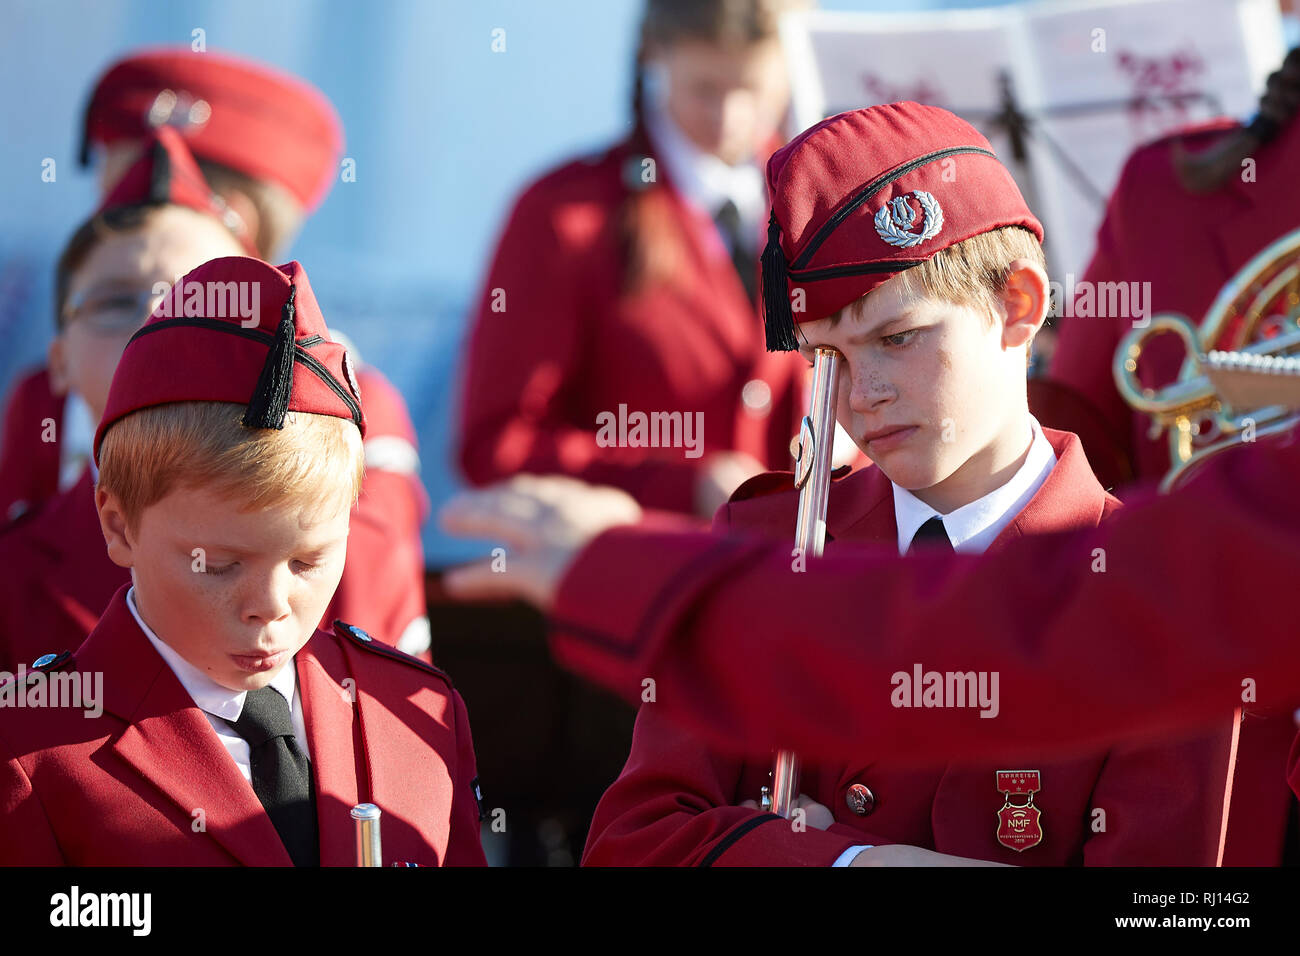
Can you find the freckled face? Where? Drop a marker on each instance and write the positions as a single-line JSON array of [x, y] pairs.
[[924, 385], [268, 577]]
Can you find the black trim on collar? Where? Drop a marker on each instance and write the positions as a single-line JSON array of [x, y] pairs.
[[59, 661], [56, 662], [359, 638]]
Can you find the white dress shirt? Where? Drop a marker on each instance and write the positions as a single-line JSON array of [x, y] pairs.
[[706, 181], [220, 704], [973, 527]]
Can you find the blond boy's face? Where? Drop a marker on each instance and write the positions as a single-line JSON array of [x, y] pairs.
[[243, 605], [927, 386]]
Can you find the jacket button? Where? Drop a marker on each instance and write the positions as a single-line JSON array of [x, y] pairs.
[[860, 799]]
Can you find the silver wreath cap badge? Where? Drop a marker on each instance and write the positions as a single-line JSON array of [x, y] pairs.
[[894, 219]]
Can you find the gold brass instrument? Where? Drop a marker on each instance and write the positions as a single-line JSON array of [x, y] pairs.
[[812, 476], [1241, 379]]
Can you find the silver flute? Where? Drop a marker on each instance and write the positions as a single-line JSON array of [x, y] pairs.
[[812, 476], [369, 850]]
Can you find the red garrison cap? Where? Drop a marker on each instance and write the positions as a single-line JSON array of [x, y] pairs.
[[195, 348], [166, 174], [261, 122], [864, 195]]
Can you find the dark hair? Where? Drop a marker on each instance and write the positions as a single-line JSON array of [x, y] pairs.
[[651, 245], [1207, 170]]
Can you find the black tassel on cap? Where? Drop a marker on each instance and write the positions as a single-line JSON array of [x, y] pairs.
[[778, 319], [270, 401], [160, 179]]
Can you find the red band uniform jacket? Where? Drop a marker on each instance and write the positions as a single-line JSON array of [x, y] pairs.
[[29, 467], [124, 788], [58, 578], [677, 803], [1217, 234], [558, 341], [1176, 250]]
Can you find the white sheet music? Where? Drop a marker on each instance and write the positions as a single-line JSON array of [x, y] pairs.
[[1097, 78]]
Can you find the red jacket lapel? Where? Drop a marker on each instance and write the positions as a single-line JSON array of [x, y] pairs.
[[332, 736], [1070, 498], [861, 508], [170, 743], [404, 738], [861, 505]]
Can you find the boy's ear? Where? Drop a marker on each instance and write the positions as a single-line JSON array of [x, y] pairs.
[[112, 522], [58, 365], [1025, 300]]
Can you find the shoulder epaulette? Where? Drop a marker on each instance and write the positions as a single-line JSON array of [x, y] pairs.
[[19, 514], [775, 482], [359, 638], [42, 664], [51, 662], [768, 483]]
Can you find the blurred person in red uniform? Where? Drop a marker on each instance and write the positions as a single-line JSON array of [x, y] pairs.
[[623, 285], [627, 280], [269, 145], [160, 221], [1225, 192]]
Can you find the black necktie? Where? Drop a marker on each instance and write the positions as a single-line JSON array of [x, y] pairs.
[[932, 535], [281, 773], [745, 261]]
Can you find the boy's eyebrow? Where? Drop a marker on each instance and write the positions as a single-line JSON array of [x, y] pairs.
[[874, 330], [859, 337], [238, 552], [228, 549]]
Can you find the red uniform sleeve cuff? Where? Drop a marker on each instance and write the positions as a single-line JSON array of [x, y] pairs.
[[768, 840]]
